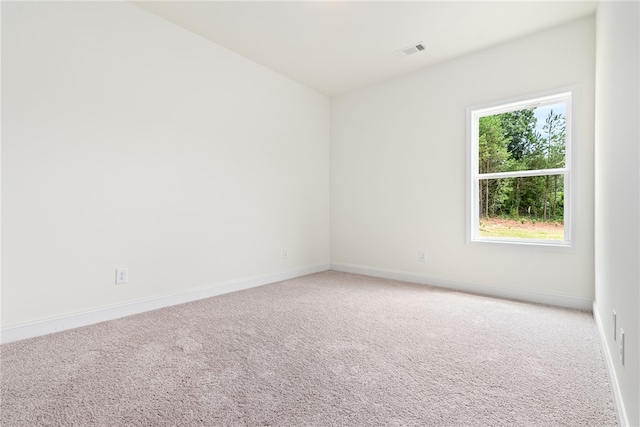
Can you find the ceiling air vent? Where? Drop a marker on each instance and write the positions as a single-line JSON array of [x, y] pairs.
[[410, 50]]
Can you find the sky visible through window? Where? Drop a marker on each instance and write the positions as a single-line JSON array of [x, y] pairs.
[[541, 113]]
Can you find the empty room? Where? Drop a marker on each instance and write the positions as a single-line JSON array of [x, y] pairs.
[[320, 213]]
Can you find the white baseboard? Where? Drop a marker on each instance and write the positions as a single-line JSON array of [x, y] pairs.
[[615, 385], [76, 320], [518, 294]]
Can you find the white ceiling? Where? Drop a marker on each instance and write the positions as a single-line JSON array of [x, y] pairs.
[[337, 46]]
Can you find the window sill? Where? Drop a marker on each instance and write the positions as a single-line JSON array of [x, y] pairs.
[[552, 245]]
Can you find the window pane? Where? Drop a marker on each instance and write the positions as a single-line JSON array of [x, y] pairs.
[[524, 207], [527, 139]]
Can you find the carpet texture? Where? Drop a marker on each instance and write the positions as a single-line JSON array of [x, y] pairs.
[[329, 349]]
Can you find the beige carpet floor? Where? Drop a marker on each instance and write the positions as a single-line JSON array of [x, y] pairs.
[[329, 349]]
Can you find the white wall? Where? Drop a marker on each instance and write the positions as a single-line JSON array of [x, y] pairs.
[[617, 190], [129, 142], [398, 170]]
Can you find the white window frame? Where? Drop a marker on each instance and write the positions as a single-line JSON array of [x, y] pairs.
[[474, 113]]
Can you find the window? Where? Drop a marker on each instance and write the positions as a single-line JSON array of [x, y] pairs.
[[519, 164]]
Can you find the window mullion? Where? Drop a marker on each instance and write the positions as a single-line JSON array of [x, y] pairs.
[[516, 174]]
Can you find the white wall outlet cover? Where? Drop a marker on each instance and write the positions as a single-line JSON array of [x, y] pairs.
[[621, 346], [122, 276]]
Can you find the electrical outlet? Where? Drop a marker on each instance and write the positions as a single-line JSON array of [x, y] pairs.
[[615, 325], [622, 346], [422, 256], [122, 276], [285, 254]]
